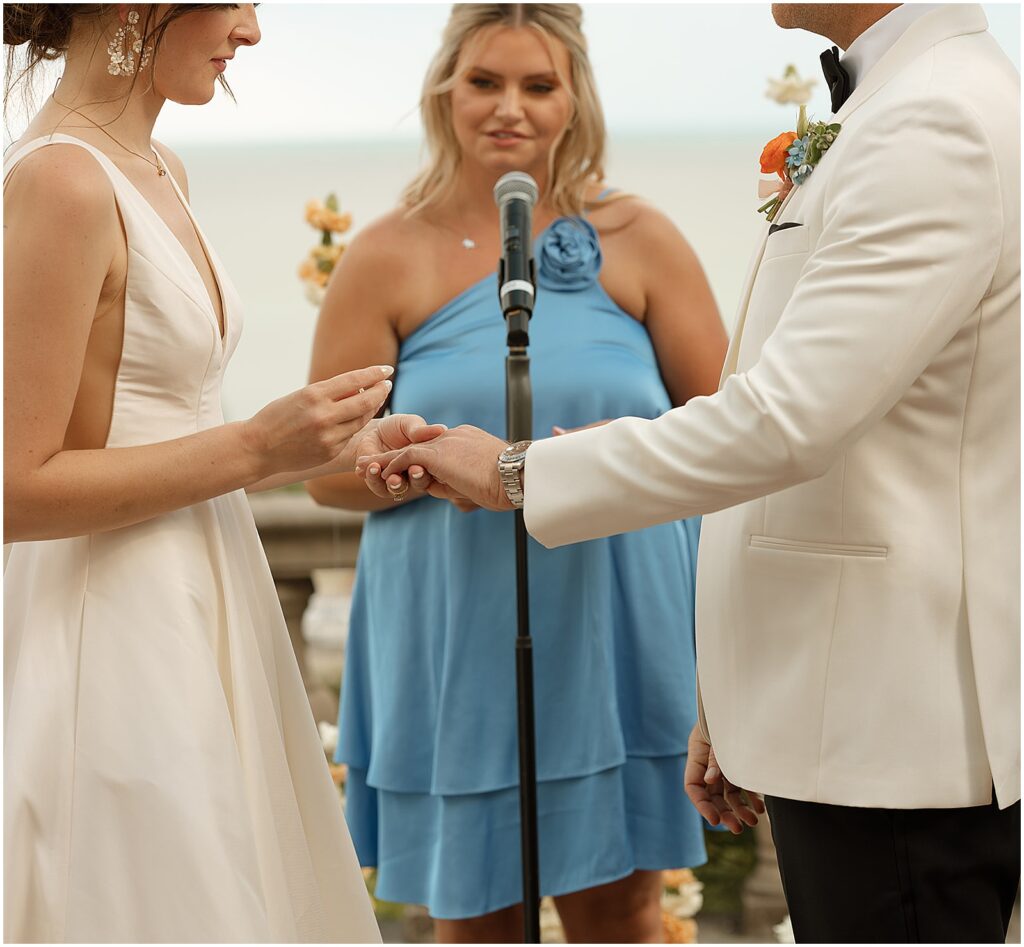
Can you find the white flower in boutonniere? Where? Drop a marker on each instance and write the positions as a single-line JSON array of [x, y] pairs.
[[792, 156], [790, 89]]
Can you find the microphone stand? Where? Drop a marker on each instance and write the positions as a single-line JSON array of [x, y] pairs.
[[519, 425]]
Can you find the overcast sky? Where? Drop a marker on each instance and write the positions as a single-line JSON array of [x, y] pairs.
[[335, 70]]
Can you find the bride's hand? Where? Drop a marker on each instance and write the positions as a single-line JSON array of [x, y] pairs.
[[312, 426], [393, 433]]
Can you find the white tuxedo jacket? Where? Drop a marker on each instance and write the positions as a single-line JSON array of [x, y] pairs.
[[858, 579]]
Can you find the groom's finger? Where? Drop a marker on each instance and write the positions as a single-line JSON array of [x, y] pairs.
[[417, 454], [734, 797], [696, 788], [367, 462]]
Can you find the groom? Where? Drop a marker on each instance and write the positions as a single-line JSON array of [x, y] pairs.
[[857, 613]]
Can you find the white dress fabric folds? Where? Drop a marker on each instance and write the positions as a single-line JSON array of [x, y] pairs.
[[163, 778]]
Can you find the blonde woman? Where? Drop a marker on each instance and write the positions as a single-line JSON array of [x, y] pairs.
[[625, 325], [163, 780]]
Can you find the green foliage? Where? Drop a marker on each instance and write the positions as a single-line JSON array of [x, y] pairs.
[[385, 910], [730, 859]]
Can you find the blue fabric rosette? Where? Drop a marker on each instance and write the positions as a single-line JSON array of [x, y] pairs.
[[570, 255]]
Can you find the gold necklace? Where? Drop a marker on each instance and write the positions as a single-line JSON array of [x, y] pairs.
[[158, 164]]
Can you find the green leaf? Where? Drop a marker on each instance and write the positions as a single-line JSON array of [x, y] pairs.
[[801, 122], [332, 202]]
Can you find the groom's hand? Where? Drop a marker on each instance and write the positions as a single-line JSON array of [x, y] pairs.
[[392, 433], [715, 798], [460, 464]]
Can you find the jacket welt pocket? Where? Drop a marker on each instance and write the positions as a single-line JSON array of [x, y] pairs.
[[818, 549], [787, 241]]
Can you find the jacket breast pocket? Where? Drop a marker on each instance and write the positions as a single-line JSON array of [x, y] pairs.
[[786, 239]]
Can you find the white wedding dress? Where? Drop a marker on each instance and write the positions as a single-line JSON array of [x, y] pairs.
[[163, 778]]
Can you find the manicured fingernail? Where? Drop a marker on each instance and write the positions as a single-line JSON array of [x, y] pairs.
[[374, 470], [417, 476], [386, 370], [387, 386]]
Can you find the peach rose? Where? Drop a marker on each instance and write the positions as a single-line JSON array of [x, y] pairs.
[[773, 158]]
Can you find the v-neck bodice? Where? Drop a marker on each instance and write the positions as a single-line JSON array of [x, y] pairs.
[[173, 355]]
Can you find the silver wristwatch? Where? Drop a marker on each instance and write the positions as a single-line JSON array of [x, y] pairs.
[[510, 468]]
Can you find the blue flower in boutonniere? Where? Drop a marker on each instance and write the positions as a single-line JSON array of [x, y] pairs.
[[792, 156]]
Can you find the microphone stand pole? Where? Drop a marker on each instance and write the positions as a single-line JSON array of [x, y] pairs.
[[519, 422]]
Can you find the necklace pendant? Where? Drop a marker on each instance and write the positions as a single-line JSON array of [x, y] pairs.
[[161, 172], [468, 243]]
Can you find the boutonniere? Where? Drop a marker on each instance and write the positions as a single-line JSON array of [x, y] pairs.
[[793, 156]]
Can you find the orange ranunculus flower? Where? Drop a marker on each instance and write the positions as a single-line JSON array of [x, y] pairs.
[[773, 158]]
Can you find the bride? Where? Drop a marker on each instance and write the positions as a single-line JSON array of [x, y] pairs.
[[163, 777]]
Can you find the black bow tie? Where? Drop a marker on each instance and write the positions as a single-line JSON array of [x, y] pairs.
[[836, 76]]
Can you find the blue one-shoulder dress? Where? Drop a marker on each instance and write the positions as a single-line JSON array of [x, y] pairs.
[[428, 711]]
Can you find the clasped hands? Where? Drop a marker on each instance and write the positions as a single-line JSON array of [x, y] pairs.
[[460, 464], [404, 455]]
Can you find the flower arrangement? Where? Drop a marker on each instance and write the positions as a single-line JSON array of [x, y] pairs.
[[790, 89], [316, 269], [792, 156], [681, 899]]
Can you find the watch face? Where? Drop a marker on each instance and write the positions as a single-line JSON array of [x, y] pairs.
[[515, 451]]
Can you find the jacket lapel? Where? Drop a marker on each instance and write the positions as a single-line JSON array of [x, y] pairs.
[[748, 285], [932, 28]]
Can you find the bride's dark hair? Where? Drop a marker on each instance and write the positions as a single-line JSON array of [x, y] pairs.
[[45, 29]]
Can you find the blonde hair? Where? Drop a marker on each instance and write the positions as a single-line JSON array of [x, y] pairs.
[[577, 158]]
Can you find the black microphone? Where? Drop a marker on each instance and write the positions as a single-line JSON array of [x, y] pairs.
[[515, 194]]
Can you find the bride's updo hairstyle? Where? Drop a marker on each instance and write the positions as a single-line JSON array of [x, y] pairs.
[[576, 160], [45, 30]]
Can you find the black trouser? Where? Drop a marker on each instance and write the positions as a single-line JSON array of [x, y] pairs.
[[897, 875]]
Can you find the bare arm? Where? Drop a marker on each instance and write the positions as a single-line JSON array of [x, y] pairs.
[[357, 322], [682, 318], [60, 239]]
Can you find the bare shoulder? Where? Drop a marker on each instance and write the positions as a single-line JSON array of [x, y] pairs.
[[647, 229], [386, 242], [61, 182]]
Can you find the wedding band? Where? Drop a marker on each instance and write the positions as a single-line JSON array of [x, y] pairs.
[[361, 390], [398, 495]]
